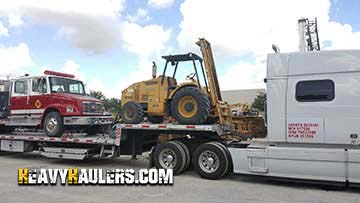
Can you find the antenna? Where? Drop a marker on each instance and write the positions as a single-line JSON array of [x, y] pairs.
[[308, 35]]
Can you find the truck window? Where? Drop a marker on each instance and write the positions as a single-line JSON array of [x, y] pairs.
[[64, 85], [20, 87], [315, 91], [39, 85]]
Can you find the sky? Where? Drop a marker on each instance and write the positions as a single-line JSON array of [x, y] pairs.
[[110, 44]]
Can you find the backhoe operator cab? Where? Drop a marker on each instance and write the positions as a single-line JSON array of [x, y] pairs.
[[162, 96], [54, 101]]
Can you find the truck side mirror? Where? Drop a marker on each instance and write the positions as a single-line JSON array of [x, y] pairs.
[[154, 69]]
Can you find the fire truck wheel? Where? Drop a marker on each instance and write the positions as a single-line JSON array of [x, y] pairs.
[[53, 124], [211, 161], [132, 113], [170, 155], [187, 154], [190, 106]]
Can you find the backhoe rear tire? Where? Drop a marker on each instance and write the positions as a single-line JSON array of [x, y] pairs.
[[190, 106], [132, 113]]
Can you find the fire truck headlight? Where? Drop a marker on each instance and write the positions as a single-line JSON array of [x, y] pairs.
[[69, 109]]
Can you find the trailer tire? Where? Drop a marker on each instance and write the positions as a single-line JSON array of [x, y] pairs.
[[132, 113], [211, 161], [53, 124], [187, 154], [170, 155], [231, 166]]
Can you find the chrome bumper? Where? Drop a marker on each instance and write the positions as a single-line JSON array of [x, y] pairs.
[[88, 120]]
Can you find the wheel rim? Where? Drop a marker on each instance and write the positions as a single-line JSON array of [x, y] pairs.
[[129, 113], [187, 106], [167, 158], [52, 125], [208, 161]]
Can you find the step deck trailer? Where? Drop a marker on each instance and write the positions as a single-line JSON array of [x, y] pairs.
[[337, 163], [124, 139]]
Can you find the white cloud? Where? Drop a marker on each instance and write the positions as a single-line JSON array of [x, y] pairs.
[[160, 3], [149, 43], [71, 67], [340, 36], [90, 25], [14, 60], [145, 40], [141, 15], [243, 75], [15, 20], [241, 27], [97, 27], [3, 30]]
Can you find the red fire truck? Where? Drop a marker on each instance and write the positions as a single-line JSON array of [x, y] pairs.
[[55, 102]]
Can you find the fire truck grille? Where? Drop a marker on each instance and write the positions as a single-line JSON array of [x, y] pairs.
[[91, 108]]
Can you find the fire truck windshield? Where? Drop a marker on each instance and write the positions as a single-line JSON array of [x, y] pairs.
[[64, 85]]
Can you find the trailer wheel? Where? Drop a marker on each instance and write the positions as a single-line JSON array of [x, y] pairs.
[[211, 161], [53, 124], [170, 155], [187, 154], [231, 166], [132, 113]]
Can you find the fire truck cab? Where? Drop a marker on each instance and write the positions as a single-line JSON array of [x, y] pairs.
[[54, 102]]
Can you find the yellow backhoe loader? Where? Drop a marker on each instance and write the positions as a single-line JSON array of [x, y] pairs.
[[196, 101]]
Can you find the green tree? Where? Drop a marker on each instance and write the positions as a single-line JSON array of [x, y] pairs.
[[112, 105], [259, 102], [97, 95]]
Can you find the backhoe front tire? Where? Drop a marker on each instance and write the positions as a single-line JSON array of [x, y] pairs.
[[190, 106], [132, 113]]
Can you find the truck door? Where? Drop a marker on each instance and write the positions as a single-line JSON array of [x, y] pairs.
[[38, 98], [310, 98], [19, 102], [4, 99]]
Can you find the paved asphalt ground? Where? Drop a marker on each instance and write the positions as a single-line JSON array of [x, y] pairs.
[[187, 187]]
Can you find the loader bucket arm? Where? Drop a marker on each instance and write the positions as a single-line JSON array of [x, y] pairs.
[[210, 70], [223, 110]]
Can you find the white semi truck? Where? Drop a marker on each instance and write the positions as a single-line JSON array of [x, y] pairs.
[[313, 108]]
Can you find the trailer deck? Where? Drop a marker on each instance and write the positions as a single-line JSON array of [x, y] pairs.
[[128, 139]]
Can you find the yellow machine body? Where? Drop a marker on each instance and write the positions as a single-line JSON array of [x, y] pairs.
[[153, 94]]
